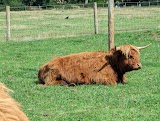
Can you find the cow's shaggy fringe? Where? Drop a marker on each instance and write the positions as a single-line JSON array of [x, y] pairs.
[[9, 108], [127, 49]]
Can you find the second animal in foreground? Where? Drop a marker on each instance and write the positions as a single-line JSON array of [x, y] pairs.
[[91, 67], [10, 110]]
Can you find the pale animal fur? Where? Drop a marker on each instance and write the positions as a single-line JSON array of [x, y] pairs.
[[9, 108]]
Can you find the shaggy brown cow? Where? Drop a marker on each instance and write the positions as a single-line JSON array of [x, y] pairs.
[[92, 67], [9, 108]]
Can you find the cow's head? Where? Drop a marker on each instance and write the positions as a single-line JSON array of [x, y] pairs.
[[131, 56]]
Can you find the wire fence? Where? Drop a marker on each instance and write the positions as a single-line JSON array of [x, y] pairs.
[[73, 20], [75, 6]]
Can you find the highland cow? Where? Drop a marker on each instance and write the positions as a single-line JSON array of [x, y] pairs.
[[107, 68], [9, 108]]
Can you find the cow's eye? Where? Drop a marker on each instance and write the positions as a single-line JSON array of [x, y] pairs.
[[131, 57]]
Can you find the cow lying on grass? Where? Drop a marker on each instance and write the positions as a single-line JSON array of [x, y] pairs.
[[91, 67], [9, 108]]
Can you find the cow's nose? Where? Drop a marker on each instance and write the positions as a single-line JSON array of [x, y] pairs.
[[139, 65]]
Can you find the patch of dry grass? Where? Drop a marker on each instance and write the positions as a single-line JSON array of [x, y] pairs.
[[27, 25]]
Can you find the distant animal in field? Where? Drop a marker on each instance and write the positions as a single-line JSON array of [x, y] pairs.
[[108, 67], [9, 108], [67, 17]]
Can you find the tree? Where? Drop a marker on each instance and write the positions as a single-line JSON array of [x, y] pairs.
[[12, 2]]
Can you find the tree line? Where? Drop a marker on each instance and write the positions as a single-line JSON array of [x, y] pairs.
[[49, 2]]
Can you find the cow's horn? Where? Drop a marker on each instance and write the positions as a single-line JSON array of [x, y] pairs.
[[144, 46]]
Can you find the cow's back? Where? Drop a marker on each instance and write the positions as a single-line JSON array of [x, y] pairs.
[[80, 68]]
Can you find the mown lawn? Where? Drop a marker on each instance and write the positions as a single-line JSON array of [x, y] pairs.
[[138, 100]]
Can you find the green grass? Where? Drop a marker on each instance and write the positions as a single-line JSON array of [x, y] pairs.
[[29, 25], [138, 100]]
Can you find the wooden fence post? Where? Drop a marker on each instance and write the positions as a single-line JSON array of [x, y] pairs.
[[95, 18], [8, 23], [111, 24]]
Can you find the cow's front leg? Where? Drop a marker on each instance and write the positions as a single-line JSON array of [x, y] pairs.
[[124, 79], [121, 79]]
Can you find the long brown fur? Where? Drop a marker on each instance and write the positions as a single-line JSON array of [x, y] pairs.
[[9, 108], [91, 67]]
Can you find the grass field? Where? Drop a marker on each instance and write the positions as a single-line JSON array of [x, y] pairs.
[[138, 100], [29, 25]]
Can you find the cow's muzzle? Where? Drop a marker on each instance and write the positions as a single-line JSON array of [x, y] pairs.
[[139, 65]]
